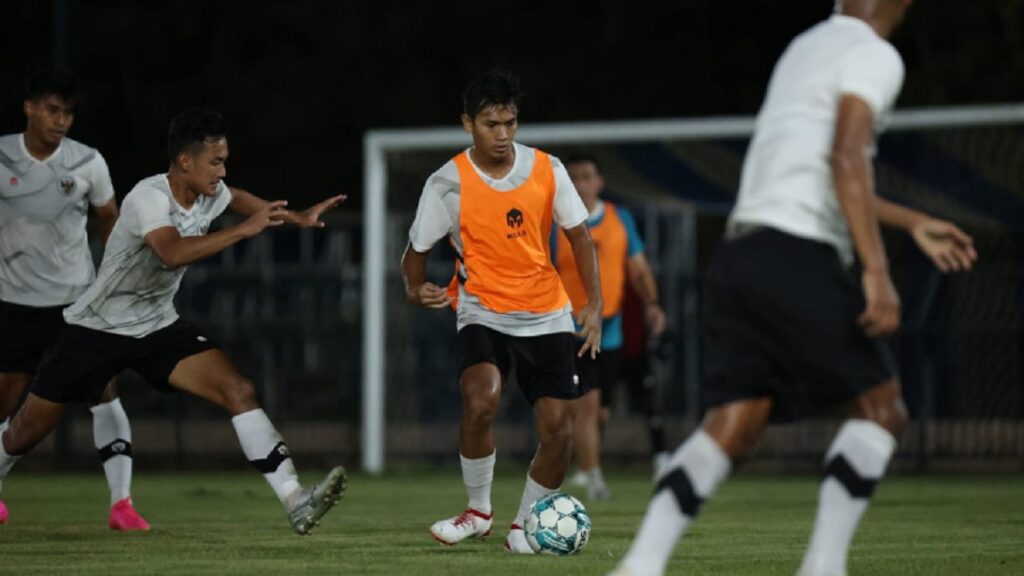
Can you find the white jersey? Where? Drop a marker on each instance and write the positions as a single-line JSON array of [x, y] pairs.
[[133, 294], [438, 216], [787, 177], [44, 206]]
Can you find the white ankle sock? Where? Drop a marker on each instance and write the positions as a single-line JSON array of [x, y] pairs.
[[478, 476], [694, 471], [266, 450], [531, 493], [112, 436], [854, 464], [6, 460]]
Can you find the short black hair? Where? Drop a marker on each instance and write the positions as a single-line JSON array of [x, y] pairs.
[[581, 158], [497, 87], [191, 127], [57, 82]]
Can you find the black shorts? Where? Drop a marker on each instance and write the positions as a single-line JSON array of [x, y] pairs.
[[779, 320], [600, 373], [544, 364], [78, 368], [26, 333]]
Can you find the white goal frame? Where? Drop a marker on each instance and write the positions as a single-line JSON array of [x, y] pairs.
[[378, 143]]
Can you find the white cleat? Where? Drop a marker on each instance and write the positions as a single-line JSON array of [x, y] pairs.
[[469, 524], [516, 542], [621, 571], [599, 492]]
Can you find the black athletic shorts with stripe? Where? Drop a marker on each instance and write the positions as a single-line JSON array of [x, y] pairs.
[[78, 368], [544, 365], [779, 320]]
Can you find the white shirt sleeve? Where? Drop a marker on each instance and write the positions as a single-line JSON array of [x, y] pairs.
[[433, 221], [145, 210], [101, 189], [873, 72], [569, 209]]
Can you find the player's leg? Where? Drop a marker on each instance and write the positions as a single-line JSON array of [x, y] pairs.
[[210, 375], [36, 418], [694, 471], [484, 360], [12, 386], [854, 464], [112, 436], [547, 375], [587, 427]]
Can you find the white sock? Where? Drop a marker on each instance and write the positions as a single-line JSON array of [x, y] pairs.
[[595, 477], [694, 471], [478, 476], [531, 493], [112, 436], [854, 464], [6, 460], [266, 450]]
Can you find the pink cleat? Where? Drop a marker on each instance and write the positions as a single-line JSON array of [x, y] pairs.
[[4, 515], [124, 517]]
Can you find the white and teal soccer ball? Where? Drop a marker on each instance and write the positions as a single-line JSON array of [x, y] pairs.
[[557, 524]]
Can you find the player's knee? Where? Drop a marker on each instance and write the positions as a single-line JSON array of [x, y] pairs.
[[240, 396], [555, 430]]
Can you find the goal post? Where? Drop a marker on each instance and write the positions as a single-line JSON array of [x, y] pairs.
[[379, 144]]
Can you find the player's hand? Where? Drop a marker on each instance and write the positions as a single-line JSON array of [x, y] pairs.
[[589, 321], [656, 319], [881, 317], [273, 214], [430, 295], [310, 217], [945, 244]]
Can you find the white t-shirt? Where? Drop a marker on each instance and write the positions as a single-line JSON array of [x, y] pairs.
[[44, 206], [437, 216], [787, 178], [133, 294]]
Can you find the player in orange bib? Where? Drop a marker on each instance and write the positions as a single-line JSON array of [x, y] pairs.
[[620, 255], [496, 203]]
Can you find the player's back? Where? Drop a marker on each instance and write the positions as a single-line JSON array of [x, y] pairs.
[[787, 179]]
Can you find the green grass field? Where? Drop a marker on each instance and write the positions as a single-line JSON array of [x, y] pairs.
[[215, 523]]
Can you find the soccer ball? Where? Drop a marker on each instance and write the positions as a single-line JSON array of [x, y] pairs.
[[557, 524]]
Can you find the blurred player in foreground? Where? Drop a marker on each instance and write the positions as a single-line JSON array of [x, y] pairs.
[[789, 329]]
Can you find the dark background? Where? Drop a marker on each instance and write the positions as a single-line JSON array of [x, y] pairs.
[[301, 81]]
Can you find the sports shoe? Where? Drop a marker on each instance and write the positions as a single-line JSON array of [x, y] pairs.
[[124, 517], [4, 515], [599, 492], [469, 524], [516, 542], [315, 501]]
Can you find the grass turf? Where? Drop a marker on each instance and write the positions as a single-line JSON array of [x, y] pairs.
[[230, 523]]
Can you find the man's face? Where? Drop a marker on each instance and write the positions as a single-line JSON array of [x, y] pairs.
[[49, 119], [493, 130], [206, 168], [587, 179]]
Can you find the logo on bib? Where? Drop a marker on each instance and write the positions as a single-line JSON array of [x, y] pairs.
[[14, 180], [67, 185], [514, 219]]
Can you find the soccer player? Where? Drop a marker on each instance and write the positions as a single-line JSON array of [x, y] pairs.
[[620, 254], [496, 203], [790, 329], [126, 319], [48, 183]]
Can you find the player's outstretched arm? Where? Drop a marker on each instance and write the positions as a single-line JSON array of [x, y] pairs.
[[417, 289], [247, 204], [948, 247], [175, 251], [589, 317], [855, 188]]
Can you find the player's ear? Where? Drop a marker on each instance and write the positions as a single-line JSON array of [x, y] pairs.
[[27, 106], [467, 123], [184, 161]]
